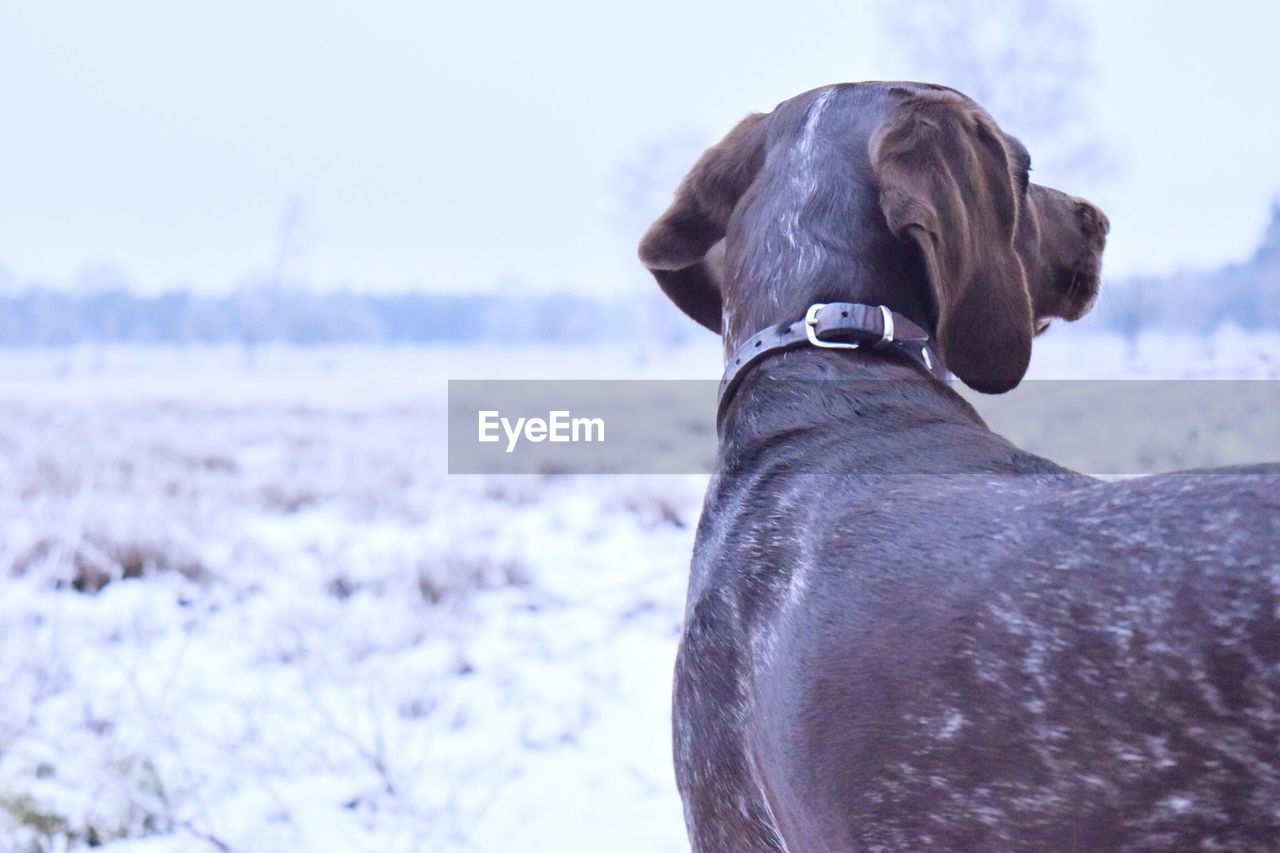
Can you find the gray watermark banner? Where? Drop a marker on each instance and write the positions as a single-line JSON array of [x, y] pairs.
[[1101, 427]]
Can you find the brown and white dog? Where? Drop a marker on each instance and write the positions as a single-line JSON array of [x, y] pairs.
[[902, 632]]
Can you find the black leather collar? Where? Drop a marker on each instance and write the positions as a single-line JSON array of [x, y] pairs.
[[832, 325]]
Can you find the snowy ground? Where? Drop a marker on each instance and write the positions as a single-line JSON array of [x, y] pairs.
[[242, 607]]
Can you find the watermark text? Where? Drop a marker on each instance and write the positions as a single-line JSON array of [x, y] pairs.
[[558, 426]]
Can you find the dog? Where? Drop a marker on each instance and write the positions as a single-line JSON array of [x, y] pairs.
[[902, 632]]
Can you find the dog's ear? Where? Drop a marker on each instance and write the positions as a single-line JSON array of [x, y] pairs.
[[675, 247], [945, 181]]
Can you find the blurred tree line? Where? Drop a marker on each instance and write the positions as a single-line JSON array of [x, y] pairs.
[[1246, 294], [42, 316]]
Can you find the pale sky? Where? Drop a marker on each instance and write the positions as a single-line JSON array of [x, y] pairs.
[[469, 146]]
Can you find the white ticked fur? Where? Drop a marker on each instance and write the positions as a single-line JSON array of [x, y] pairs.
[[804, 178]]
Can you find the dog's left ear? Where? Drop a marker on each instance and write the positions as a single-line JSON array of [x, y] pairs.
[[945, 182], [675, 247]]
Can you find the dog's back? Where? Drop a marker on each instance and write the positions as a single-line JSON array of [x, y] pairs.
[[1050, 676], [1047, 662]]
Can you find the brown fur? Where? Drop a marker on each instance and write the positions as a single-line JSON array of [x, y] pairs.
[[947, 183], [675, 246]]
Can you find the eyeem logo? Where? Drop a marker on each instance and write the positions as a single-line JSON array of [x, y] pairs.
[[559, 426]]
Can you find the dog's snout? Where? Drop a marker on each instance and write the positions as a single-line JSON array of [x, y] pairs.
[[1092, 220]]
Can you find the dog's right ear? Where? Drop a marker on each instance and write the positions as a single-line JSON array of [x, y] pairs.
[[675, 247], [947, 184]]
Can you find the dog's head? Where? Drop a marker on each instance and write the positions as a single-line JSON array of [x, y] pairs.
[[904, 194]]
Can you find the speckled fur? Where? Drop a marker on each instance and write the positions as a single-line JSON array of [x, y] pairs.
[[1016, 658]]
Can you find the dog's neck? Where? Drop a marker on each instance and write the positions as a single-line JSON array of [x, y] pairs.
[[901, 290], [858, 394], [807, 385], [806, 233]]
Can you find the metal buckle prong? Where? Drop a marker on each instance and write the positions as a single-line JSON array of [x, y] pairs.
[[887, 336], [810, 329]]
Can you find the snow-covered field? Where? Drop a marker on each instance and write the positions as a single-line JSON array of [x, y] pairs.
[[243, 607]]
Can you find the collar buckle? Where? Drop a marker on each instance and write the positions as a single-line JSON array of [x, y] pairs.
[[811, 330]]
